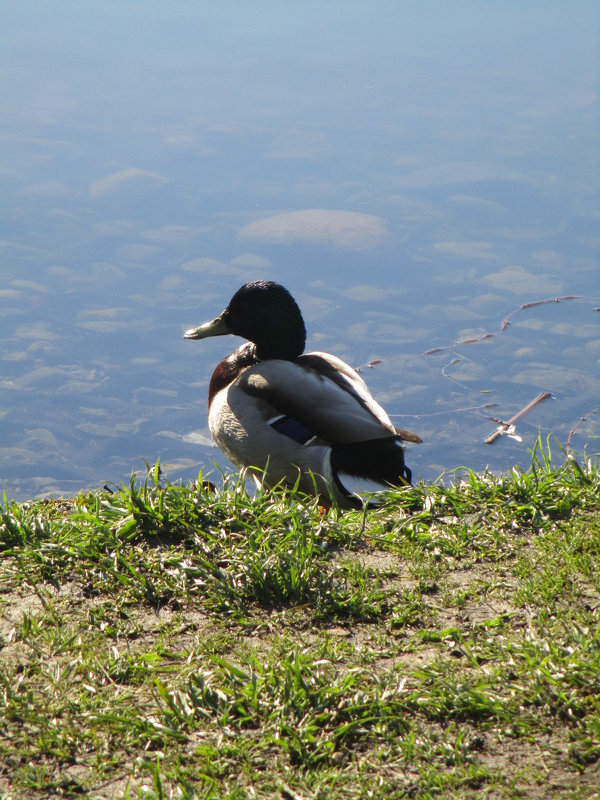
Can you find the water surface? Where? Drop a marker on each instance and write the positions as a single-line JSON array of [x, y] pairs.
[[412, 174]]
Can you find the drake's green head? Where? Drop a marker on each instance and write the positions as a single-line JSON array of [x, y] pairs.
[[265, 313]]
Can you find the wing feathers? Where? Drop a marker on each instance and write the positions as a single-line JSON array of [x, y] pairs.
[[293, 429], [332, 402]]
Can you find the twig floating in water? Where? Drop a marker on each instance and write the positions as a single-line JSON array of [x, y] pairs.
[[504, 426], [574, 428], [506, 322]]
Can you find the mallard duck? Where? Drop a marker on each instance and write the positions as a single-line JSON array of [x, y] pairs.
[[305, 420]]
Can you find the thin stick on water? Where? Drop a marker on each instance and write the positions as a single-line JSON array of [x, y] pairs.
[[574, 428], [504, 426], [506, 322]]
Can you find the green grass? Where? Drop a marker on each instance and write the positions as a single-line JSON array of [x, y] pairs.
[[164, 641]]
